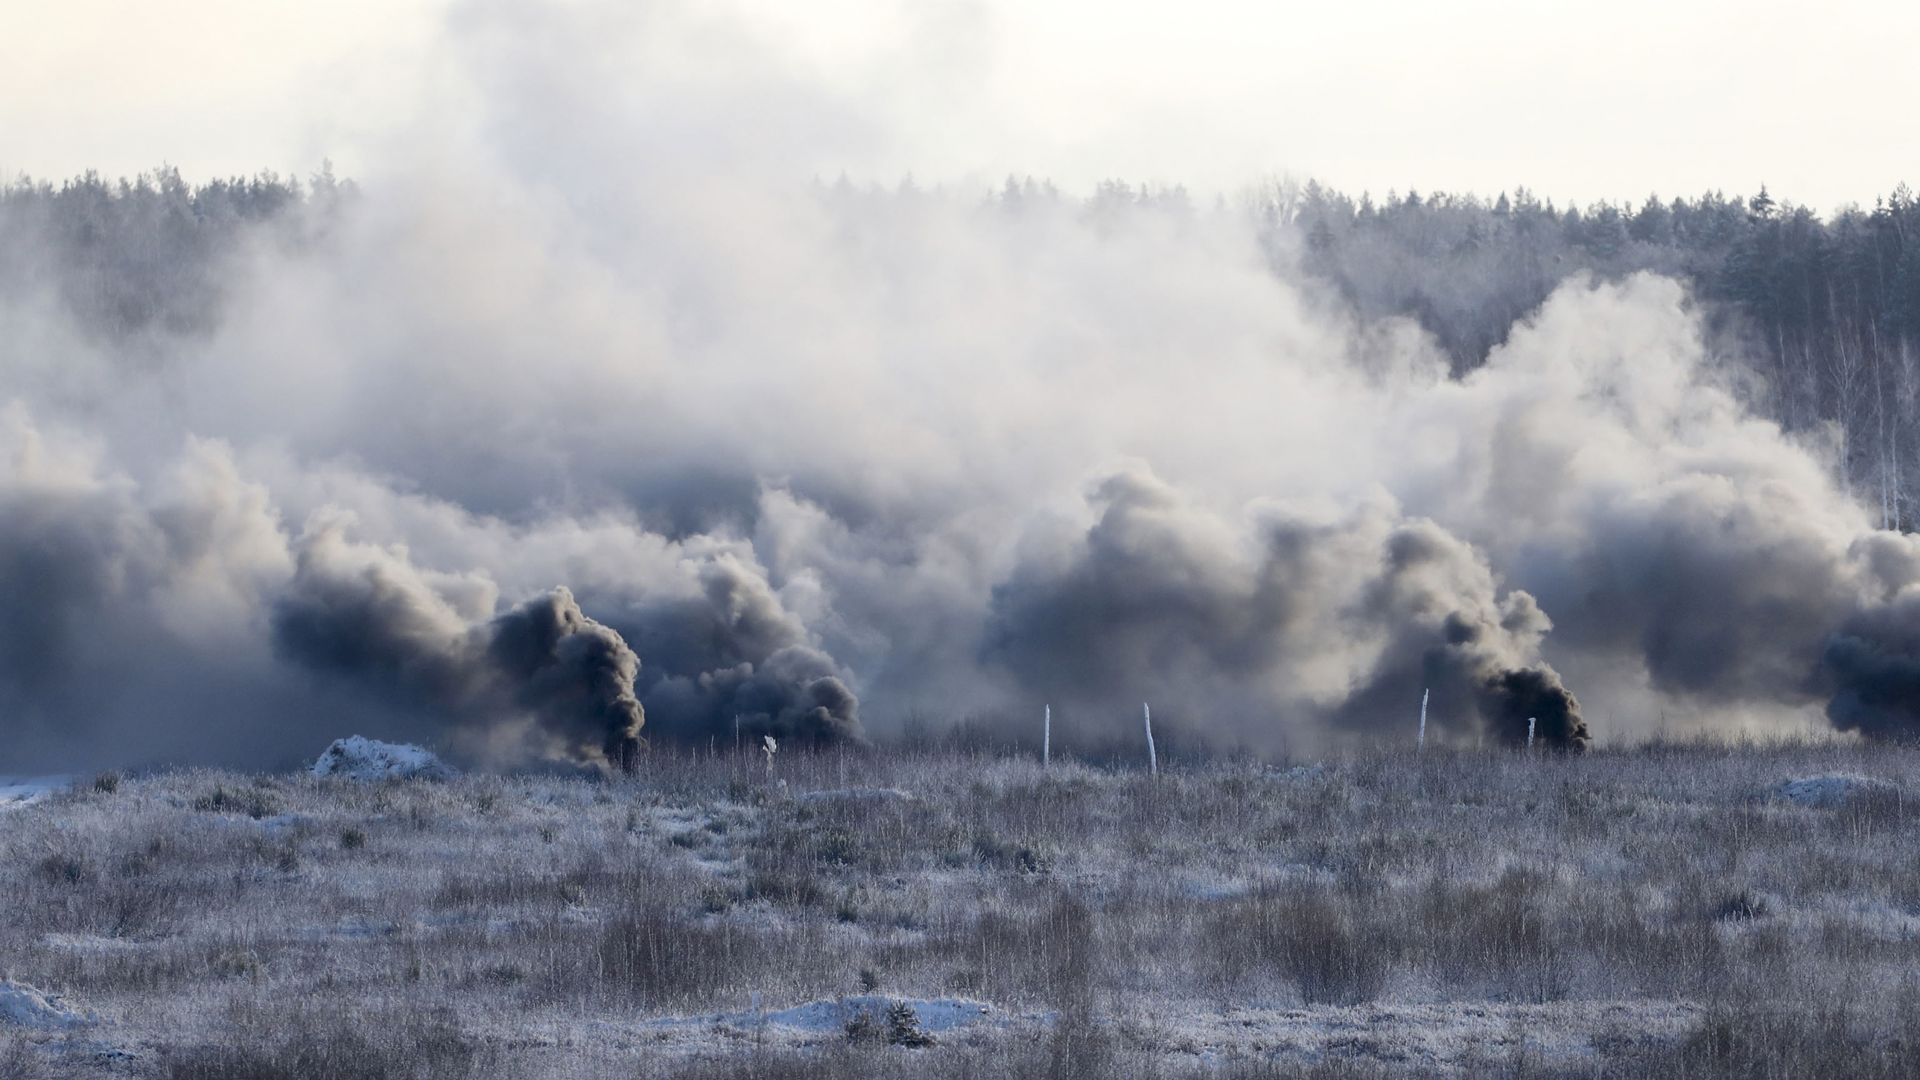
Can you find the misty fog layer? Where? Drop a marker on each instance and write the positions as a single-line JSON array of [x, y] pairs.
[[549, 438]]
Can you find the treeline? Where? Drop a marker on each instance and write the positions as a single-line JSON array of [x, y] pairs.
[[130, 256], [1827, 310]]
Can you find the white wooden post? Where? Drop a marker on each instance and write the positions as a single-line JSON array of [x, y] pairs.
[[1153, 759], [1046, 739], [1424, 695], [1530, 721]]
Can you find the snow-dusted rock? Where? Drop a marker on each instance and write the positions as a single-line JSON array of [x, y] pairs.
[[1839, 789], [358, 758], [23, 1006]]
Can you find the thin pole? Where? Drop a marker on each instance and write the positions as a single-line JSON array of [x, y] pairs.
[[1153, 759], [1424, 695], [1046, 739]]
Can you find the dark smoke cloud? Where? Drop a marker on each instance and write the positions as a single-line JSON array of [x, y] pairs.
[[730, 657], [128, 604], [573, 673], [368, 617], [169, 618], [796, 694], [817, 458], [1605, 466], [1347, 623], [1452, 634], [1870, 667]]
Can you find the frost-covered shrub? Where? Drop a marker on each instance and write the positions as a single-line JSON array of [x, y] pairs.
[[1309, 936]]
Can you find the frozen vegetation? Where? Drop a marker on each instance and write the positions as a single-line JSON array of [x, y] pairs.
[[1663, 911]]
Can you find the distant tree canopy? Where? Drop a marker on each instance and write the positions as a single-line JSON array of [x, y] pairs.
[[1466, 267], [1826, 310], [146, 254]]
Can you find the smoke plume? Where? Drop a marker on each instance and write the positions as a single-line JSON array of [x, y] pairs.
[[1332, 625], [541, 672], [599, 407]]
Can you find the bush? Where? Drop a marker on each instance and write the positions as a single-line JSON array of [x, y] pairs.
[[653, 958], [903, 1026], [18, 1060], [1050, 954], [1509, 934], [1740, 906], [63, 870], [1739, 1043], [1306, 936], [254, 803], [1328, 958], [861, 1027], [340, 1048]]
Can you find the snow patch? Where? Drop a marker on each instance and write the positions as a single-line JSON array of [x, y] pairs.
[[23, 1006], [1836, 790], [359, 758]]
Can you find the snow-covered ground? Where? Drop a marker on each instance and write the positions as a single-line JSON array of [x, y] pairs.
[[18, 791], [1438, 915]]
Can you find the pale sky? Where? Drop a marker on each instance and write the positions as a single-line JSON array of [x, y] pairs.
[[1818, 101]]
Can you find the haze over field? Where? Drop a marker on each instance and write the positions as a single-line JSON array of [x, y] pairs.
[[1473, 96], [593, 409]]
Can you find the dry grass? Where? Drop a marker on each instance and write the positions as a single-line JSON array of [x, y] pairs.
[[1645, 912]]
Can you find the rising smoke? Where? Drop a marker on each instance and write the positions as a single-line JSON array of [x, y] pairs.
[[364, 615], [1338, 624], [553, 440]]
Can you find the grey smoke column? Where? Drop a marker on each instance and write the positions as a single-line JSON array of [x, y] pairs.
[[572, 672]]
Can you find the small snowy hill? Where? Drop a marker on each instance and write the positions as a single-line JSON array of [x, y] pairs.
[[26, 790], [1836, 790], [359, 758], [23, 1006]]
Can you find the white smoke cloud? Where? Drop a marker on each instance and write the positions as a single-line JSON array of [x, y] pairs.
[[821, 455]]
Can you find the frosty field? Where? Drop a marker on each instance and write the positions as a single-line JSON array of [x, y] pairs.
[[1667, 911]]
